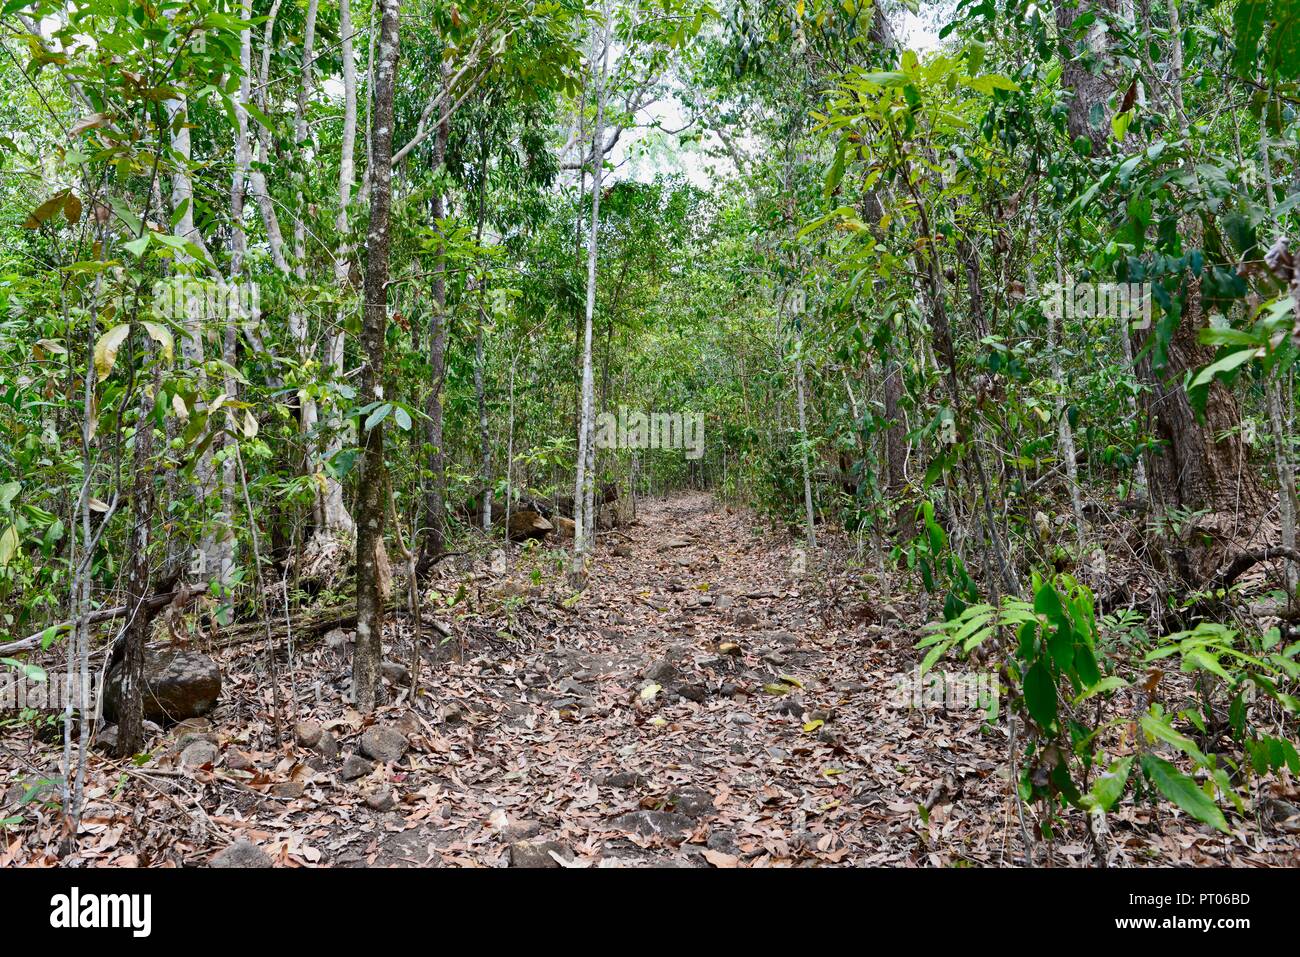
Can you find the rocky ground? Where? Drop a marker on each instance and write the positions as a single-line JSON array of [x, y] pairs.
[[713, 699]]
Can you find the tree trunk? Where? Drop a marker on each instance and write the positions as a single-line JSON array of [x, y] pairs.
[[335, 513], [433, 541], [584, 534], [131, 662], [370, 514]]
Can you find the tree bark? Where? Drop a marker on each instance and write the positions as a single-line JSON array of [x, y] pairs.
[[433, 540], [370, 514], [584, 534], [336, 517], [131, 720]]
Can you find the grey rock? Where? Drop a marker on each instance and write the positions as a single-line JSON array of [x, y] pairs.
[[692, 800], [571, 687], [537, 853], [650, 823], [522, 831], [289, 790], [396, 673], [307, 733], [199, 753], [692, 692], [241, 854], [327, 746], [178, 684], [383, 743], [661, 671], [724, 841], [381, 800], [355, 766]]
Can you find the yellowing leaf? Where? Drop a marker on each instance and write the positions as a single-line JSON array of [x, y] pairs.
[[812, 726], [250, 425], [161, 335], [649, 691], [86, 122], [106, 349], [8, 545], [178, 406]]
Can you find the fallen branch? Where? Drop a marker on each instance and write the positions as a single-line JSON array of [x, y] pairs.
[[1247, 560], [307, 625], [154, 603]]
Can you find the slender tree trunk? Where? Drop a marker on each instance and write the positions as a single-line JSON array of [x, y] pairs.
[[1286, 501], [480, 358], [308, 413], [215, 551], [584, 533], [370, 514], [800, 389], [433, 540], [336, 517], [131, 665], [896, 446], [1064, 433]]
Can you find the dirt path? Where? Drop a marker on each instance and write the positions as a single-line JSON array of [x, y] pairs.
[[708, 701], [771, 738]]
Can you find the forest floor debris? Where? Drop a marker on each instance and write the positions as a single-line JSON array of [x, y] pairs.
[[716, 698]]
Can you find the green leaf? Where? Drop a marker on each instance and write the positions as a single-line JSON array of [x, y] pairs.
[[1182, 790], [1224, 365], [1111, 683], [1105, 791], [377, 416], [1040, 695], [1159, 729]]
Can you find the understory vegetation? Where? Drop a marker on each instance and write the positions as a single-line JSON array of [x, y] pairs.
[[317, 316]]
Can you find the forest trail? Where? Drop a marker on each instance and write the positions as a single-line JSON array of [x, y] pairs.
[[772, 737], [708, 701]]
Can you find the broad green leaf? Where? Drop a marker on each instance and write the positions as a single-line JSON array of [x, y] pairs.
[[1183, 791], [1108, 787], [1040, 694]]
